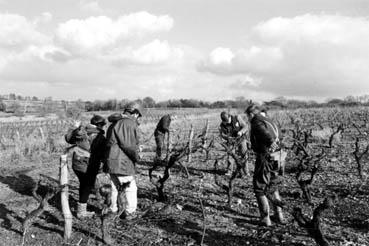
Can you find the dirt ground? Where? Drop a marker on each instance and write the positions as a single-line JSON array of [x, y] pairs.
[[179, 221]]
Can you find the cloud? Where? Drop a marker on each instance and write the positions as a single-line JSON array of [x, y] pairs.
[[45, 17], [221, 56], [20, 39], [96, 57], [102, 32], [90, 6], [308, 55], [17, 32], [155, 52]]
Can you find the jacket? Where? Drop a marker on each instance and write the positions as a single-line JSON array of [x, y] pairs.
[[261, 136], [84, 137], [122, 145]]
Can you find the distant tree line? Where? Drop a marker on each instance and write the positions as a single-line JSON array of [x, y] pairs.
[[149, 102], [238, 102]]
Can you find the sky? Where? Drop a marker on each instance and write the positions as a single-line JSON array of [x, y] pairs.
[[202, 49]]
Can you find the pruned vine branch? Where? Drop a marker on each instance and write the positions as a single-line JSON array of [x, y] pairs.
[[313, 226]]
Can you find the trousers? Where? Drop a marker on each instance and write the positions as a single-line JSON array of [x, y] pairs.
[[130, 192], [86, 183], [266, 179]]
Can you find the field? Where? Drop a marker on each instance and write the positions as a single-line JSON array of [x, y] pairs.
[[327, 159]]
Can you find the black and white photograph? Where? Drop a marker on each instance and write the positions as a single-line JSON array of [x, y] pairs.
[[184, 122]]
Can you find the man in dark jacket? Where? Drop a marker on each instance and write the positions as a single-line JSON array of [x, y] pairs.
[[161, 129], [264, 141], [122, 156], [97, 160]]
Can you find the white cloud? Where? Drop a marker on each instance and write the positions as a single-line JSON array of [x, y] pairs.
[[20, 39], [308, 55], [16, 32], [90, 6], [81, 61], [221, 56], [102, 31], [155, 52]]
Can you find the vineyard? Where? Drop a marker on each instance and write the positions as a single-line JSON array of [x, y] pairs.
[[199, 194]]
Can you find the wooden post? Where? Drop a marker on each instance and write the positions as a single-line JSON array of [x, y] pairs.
[[42, 133], [18, 135], [169, 146], [68, 218], [205, 135], [190, 137]]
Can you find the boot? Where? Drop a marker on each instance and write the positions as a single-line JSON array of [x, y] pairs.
[[278, 210], [279, 216], [82, 211], [129, 216], [264, 210]]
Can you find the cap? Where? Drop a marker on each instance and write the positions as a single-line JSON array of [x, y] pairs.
[[134, 107], [97, 120]]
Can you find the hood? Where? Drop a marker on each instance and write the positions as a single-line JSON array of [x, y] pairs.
[[115, 117]]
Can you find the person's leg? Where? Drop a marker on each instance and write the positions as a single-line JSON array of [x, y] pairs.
[[84, 192], [80, 177], [275, 183], [264, 209], [278, 209], [130, 193], [243, 153], [115, 184], [259, 185]]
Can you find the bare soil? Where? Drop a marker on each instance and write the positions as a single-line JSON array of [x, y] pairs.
[[179, 221]]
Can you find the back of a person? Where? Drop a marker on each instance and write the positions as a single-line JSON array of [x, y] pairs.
[[271, 126], [97, 149], [118, 161], [262, 135], [127, 127], [163, 124]]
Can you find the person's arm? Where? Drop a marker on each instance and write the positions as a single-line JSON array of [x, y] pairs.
[[70, 137], [243, 126]]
